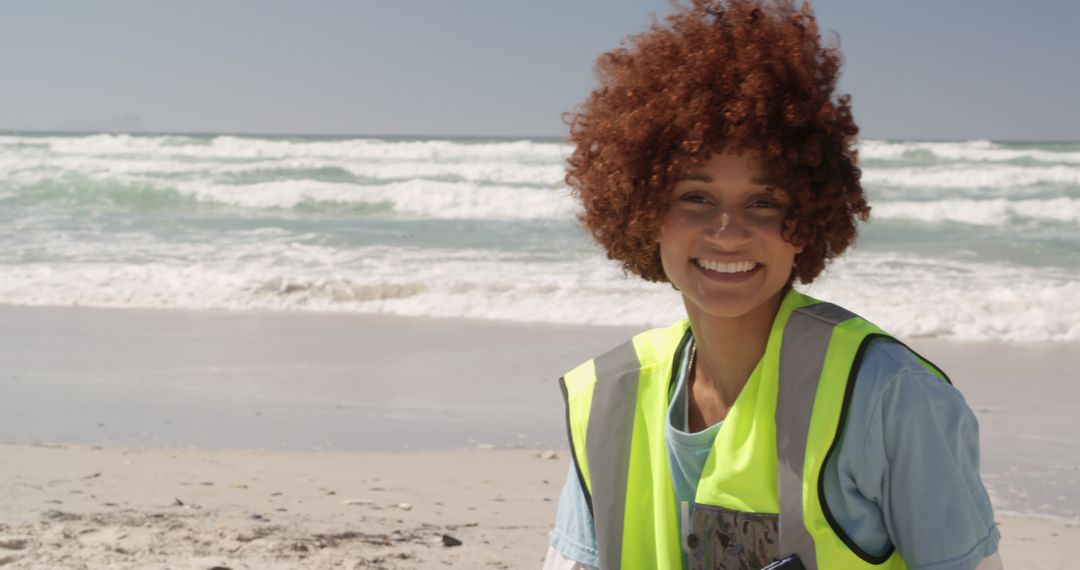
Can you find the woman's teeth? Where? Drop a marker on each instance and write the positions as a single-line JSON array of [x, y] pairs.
[[740, 267]]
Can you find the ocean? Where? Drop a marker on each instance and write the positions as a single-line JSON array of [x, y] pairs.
[[968, 240]]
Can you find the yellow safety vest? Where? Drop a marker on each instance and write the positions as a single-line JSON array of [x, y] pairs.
[[761, 495]]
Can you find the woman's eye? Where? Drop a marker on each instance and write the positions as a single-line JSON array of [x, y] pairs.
[[695, 198], [764, 203]]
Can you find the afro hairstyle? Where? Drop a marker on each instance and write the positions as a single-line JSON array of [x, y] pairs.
[[714, 76]]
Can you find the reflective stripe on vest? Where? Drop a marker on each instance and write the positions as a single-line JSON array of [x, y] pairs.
[[802, 357], [608, 442], [616, 409], [603, 394]]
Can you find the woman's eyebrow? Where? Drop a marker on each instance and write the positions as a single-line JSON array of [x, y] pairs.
[[699, 177]]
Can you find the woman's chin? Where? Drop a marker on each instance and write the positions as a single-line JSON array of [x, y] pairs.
[[731, 304]]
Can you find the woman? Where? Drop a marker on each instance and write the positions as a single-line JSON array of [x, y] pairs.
[[768, 425]]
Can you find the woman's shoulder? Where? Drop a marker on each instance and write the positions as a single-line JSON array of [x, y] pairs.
[[897, 397], [889, 367]]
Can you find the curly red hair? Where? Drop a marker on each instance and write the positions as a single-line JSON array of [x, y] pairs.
[[740, 76]]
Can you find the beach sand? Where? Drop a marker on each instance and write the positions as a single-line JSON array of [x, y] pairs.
[[195, 439], [85, 507]]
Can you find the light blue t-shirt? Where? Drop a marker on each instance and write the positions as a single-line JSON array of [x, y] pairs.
[[906, 471]]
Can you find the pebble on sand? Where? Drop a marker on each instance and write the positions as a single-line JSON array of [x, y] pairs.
[[13, 542]]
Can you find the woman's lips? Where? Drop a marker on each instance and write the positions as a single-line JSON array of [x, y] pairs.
[[722, 277]]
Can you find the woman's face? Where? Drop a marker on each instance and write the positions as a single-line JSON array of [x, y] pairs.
[[721, 242]]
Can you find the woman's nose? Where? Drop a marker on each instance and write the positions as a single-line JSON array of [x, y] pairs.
[[724, 219], [727, 228]]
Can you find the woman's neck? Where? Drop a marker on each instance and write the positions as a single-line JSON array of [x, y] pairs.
[[728, 349]]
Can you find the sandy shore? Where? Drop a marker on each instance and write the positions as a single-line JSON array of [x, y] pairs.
[[83, 507], [344, 417]]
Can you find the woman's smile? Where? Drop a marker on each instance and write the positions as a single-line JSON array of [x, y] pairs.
[[721, 272]]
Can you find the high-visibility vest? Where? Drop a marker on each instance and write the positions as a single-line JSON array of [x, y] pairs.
[[761, 495]]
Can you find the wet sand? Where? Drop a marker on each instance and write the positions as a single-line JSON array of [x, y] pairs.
[[296, 381]]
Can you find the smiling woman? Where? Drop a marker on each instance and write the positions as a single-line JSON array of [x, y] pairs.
[[726, 225], [767, 426]]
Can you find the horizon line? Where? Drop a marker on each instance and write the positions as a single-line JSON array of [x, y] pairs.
[[545, 138]]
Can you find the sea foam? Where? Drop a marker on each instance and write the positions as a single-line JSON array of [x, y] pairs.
[[487, 229], [981, 212], [910, 296]]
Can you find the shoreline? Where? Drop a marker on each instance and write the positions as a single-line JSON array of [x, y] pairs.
[[250, 380], [348, 382]]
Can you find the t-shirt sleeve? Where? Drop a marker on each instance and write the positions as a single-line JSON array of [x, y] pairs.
[[919, 462], [574, 536]]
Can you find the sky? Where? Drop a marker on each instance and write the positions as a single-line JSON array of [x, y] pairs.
[[917, 69]]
